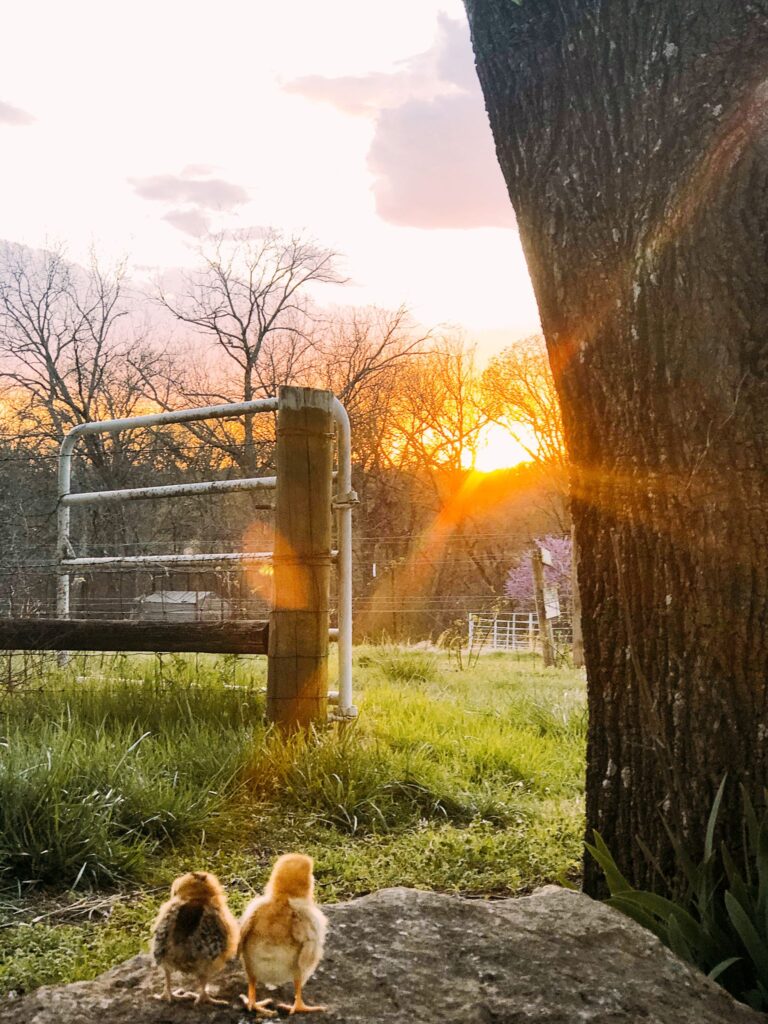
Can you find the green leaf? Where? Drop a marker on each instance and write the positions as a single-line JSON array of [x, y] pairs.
[[630, 908], [712, 822], [760, 854], [738, 888], [693, 932], [753, 826], [748, 934], [694, 874], [716, 971], [617, 883], [677, 942]]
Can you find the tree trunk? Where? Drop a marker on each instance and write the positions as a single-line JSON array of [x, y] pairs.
[[633, 137]]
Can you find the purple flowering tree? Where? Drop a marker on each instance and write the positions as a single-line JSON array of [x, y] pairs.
[[519, 582]]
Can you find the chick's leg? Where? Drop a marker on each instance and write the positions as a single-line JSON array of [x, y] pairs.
[[204, 996], [251, 1004], [166, 995], [299, 1006]]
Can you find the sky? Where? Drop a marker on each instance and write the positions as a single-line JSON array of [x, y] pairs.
[[137, 128]]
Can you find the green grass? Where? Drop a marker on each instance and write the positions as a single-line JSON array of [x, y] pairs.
[[117, 774]]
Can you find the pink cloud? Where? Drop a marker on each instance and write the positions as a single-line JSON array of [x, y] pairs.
[[432, 153], [208, 193], [191, 222], [435, 166], [14, 115]]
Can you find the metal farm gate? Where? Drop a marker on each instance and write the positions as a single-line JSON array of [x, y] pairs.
[[513, 631], [296, 636]]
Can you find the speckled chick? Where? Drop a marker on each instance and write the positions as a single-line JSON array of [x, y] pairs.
[[194, 933], [282, 934]]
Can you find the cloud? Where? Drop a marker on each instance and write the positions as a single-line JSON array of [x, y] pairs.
[[435, 166], [363, 94], [192, 196], [206, 193], [191, 222], [432, 153], [419, 77], [11, 115]]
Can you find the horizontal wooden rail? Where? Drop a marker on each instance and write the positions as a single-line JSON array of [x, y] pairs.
[[230, 637]]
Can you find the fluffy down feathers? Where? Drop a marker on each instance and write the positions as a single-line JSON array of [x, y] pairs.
[[282, 933], [194, 931]]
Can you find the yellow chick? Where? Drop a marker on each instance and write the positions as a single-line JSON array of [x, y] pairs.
[[195, 933], [282, 934]]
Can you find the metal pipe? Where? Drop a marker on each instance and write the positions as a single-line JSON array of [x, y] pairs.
[[63, 547], [176, 561], [345, 499], [206, 412], [63, 544], [255, 483]]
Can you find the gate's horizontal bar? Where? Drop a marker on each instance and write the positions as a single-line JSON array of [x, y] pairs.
[[207, 412], [175, 561], [171, 561], [231, 637], [256, 483]]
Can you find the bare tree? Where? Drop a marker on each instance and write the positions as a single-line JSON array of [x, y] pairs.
[[519, 392], [359, 347], [250, 296], [67, 353], [70, 354], [436, 427]]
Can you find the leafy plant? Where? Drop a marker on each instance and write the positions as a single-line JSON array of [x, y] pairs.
[[720, 923]]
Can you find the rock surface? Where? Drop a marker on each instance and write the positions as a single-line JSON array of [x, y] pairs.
[[400, 955]]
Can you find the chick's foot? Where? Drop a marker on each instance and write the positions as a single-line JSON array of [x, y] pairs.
[[261, 1007], [299, 1006]]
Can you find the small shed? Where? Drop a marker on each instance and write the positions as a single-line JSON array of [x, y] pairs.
[[182, 606]]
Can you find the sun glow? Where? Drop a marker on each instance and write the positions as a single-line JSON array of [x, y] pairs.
[[501, 447]]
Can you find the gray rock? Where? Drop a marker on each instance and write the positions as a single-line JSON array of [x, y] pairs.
[[400, 955]]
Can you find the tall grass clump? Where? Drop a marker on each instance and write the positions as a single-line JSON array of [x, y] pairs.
[[564, 719], [352, 783], [95, 777], [406, 664]]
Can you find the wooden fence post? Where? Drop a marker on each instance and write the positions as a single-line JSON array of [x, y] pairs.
[[297, 675], [545, 628]]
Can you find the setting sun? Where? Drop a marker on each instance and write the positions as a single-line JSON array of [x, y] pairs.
[[501, 447]]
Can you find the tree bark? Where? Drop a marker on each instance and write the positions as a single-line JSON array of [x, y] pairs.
[[633, 137]]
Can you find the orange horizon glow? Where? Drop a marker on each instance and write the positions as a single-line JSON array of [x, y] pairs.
[[501, 447]]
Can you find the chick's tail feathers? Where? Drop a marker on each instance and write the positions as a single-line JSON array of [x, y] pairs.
[[187, 921]]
